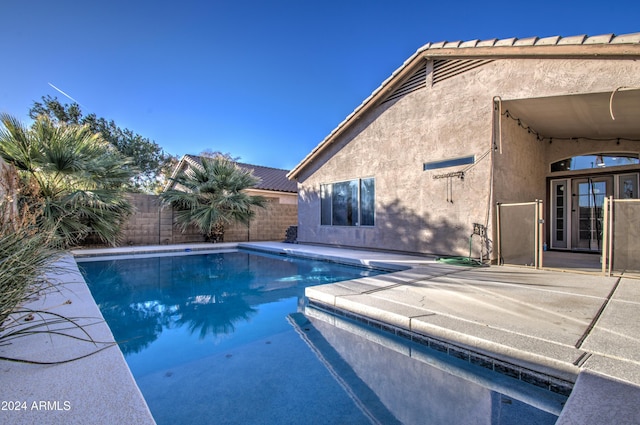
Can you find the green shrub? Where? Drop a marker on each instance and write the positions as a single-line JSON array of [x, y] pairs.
[[25, 257]]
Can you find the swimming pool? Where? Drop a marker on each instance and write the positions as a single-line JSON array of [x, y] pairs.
[[223, 338]]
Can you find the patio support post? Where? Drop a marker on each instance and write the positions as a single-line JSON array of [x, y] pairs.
[[607, 233], [498, 232], [539, 234]]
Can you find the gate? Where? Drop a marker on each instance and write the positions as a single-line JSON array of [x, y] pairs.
[[621, 238], [520, 233]]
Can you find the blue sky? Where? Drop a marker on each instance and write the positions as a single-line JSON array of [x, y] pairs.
[[263, 80]]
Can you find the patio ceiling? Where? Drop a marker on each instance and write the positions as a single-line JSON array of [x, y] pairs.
[[581, 115]]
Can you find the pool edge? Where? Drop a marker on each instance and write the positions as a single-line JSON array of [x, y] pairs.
[[97, 389]]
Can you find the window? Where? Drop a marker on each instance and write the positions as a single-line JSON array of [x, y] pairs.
[[348, 203], [448, 163], [628, 186], [601, 160]]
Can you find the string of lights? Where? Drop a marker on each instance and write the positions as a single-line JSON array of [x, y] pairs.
[[541, 138]]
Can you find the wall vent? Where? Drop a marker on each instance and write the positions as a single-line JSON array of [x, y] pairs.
[[417, 81], [447, 68]]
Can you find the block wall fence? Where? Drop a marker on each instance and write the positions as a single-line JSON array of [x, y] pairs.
[[151, 224]]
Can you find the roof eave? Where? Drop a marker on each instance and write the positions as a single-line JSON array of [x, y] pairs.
[[186, 159], [380, 92], [579, 51], [429, 51], [273, 192]]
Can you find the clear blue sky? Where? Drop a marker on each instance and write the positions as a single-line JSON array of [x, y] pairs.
[[263, 80]]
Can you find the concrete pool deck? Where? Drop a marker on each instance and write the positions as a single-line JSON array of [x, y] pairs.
[[97, 389], [570, 326], [573, 327]]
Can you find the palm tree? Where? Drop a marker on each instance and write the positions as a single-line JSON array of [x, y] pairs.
[[76, 177], [213, 195]]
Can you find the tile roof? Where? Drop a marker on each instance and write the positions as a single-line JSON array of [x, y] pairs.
[[524, 47], [273, 179], [536, 41]]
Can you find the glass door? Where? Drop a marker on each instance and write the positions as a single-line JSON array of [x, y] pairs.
[[559, 220], [586, 211], [628, 186]]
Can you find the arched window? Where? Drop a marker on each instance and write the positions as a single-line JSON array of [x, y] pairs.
[[601, 160]]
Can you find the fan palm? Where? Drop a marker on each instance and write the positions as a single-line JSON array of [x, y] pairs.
[[213, 195], [76, 176]]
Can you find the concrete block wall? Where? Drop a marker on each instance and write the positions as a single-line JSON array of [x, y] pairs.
[[268, 224], [151, 224], [143, 226]]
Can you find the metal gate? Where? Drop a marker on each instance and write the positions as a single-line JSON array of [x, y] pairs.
[[520, 233]]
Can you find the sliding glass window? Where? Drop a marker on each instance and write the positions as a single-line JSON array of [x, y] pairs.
[[348, 203]]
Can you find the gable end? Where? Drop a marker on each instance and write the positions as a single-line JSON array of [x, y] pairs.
[[417, 81], [446, 68]]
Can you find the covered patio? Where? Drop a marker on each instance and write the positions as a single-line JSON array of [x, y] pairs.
[[586, 147]]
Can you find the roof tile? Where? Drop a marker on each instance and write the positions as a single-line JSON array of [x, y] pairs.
[[273, 179], [599, 39], [505, 42], [470, 43], [534, 41], [487, 43], [626, 38], [526, 41], [548, 41], [576, 39]]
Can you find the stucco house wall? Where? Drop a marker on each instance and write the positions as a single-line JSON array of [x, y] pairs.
[[391, 144], [452, 118], [519, 165], [525, 161]]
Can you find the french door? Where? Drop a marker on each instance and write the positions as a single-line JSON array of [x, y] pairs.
[[587, 200], [576, 208]]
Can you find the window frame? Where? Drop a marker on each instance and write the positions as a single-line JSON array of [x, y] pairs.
[[451, 162], [328, 204], [602, 160]]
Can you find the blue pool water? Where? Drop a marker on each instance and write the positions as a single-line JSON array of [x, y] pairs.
[[226, 338]]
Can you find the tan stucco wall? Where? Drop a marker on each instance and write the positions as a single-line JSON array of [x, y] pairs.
[[519, 165], [452, 118]]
